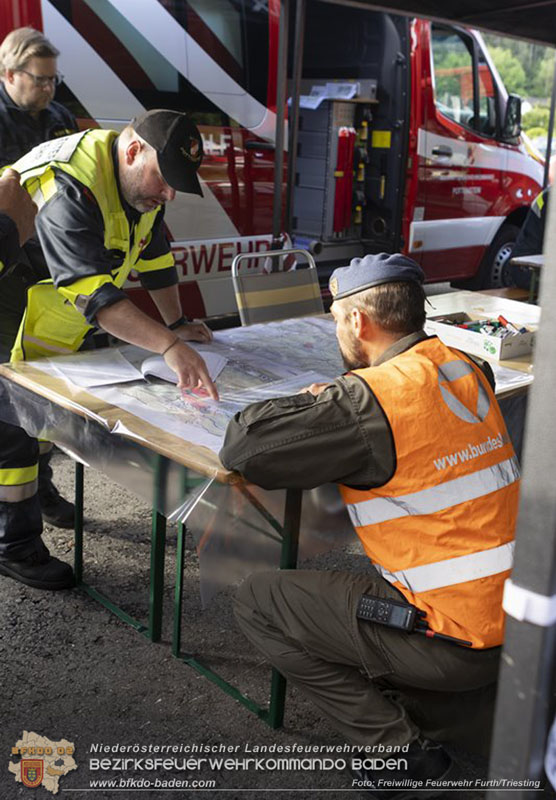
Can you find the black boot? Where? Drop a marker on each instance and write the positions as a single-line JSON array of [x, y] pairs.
[[55, 509], [427, 762], [39, 569]]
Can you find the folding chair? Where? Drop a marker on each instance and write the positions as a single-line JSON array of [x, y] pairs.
[[286, 293]]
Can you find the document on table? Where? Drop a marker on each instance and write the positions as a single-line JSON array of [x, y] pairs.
[[193, 417], [109, 366], [509, 378], [156, 367], [261, 361], [94, 368]]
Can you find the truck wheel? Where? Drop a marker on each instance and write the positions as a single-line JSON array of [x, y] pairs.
[[492, 272]]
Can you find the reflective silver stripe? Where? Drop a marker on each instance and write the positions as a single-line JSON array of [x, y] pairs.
[[436, 498], [453, 570], [54, 348], [451, 371], [44, 446], [15, 494]]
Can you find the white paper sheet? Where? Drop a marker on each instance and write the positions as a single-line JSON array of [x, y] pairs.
[[94, 368], [109, 366], [157, 367], [509, 378], [261, 361]]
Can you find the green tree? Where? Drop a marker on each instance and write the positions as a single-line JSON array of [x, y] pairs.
[[536, 60], [541, 83], [536, 118], [535, 133], [510, 69]]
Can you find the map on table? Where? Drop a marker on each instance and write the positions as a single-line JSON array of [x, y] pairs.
[[262, 361]]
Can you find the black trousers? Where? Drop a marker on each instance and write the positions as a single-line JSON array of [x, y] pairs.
[[20, 514]]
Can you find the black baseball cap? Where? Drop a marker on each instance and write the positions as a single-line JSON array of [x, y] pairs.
[[178, 146]]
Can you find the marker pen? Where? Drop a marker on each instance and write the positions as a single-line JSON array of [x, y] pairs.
[[510, 326]]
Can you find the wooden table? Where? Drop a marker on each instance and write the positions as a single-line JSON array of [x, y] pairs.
[[85, 427], [81, 424], [534, 263]]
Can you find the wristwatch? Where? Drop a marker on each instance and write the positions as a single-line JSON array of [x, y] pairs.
[[178, 323]]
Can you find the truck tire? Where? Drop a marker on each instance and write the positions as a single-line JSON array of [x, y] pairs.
[[491, 273]]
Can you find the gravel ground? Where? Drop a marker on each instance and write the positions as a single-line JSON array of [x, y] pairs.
[[73, 671]]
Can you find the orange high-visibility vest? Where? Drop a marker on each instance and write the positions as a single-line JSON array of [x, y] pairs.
[[441, 529]]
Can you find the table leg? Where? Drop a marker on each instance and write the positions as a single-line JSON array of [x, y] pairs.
[[288, 560], [158, 544], [273, 715], [156, 601], [78, 524], [178, 592], [533, 286]]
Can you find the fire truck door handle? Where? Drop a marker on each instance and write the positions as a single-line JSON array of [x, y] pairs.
[[442, 150]]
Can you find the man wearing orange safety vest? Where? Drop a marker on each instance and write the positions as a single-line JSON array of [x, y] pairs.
[[415, 438]]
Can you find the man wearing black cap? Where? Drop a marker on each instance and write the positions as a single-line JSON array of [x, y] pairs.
[[415, 438], [101, 203]]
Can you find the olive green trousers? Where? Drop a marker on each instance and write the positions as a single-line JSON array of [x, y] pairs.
[[375, 684]]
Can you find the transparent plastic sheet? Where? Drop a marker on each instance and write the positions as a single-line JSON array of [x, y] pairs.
[[260, 361], [166, 486], [234, 539]]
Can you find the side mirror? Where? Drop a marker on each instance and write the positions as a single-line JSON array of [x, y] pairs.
[[512, 119]]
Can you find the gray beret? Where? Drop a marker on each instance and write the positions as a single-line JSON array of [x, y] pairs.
[[372, 270]]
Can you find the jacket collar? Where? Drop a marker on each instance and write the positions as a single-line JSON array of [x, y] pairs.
[[401, 346], [8, 100]]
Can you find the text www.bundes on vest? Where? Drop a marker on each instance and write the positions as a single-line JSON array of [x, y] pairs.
[[471, 451]]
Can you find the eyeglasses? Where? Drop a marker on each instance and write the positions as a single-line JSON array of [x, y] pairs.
[[43, 80]]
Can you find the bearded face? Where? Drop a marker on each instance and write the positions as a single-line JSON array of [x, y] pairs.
[[350, 346], [351, 352], [142, 184], [33, 88]]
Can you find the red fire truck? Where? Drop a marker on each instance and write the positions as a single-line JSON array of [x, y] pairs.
[[406, 138]]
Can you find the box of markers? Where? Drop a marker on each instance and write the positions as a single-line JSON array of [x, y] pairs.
[[494, 337]]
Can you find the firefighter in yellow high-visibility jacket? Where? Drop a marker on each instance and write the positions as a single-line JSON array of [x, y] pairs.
[[101, 203]]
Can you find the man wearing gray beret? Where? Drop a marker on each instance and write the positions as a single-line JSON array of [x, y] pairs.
[[406, 654]]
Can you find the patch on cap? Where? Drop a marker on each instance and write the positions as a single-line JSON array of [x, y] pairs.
[[193, 150], [372, 270]]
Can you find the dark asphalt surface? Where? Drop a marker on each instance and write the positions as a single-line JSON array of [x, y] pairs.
[[71, 670]]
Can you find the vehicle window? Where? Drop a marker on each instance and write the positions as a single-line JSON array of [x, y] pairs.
[[453, 75], [234, 34], [487, 100]]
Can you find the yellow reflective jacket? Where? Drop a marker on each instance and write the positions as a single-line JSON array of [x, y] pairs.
[[441, 529], [53, 322]]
